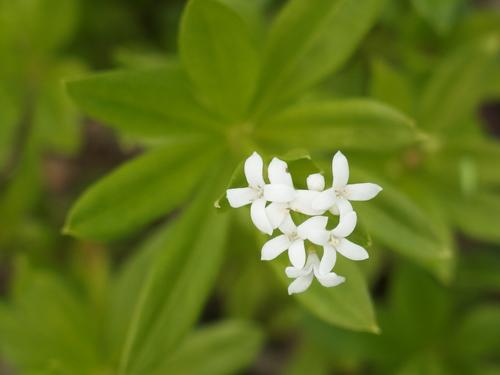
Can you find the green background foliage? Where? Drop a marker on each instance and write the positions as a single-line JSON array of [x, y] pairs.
[[123, 123]]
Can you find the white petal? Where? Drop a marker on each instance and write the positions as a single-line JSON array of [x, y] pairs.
[[319, 237], [259, 216], [274, 247], [279, 193], [253, 170], [362, 192], [351, 250], [293, 272], [346, 225], [328, 260], [315, 223], [341, 206], [297, 254], [316, 182], [287, 225], [303, 202], [300, 284], [340, 170], [324, 200], [278, 173], [240, 196], [330, 279], [276, 213]]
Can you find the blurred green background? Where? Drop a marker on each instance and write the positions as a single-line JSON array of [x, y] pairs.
[[133, 271]]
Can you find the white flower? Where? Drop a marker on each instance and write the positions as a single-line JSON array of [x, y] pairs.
[[304, 276], [258, 193], [278, 175], [334, 241], [292, 239], [336, 199]]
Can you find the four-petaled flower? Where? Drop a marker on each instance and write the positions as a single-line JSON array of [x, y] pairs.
[[336, 199], [314, 201]]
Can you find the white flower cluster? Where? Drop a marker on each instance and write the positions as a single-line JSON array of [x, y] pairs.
[[272, 202]]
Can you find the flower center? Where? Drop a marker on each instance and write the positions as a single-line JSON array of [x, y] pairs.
[[293, 236], [334, 241]]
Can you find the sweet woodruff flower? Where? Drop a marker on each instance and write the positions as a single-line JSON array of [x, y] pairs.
[[336, 199], [271, 207], [304, 276], [258, 193]]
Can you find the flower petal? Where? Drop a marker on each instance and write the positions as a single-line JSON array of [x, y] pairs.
[[351, 250], [316, 182], [303, 202], [274, 247], [253, 170], [313, 224], [287, 225], [276, 213], [362, 192], [240, 196], [341, 206], [346, 225], [319, 237], [279, 193], [324, 200], [278, 173], [340, 170], [259, 216], [327, 261], [297, 254], [293, 272], [300, 284], [330, 279]]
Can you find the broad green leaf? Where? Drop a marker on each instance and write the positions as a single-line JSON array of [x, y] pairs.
[[309, 40], [47, 328], [390, 86], [441, 15], [350, 124], [348, 305], [219, 56], [477, 215], [478, 335], [222, 348], [457, 86], [402, 225], [140, 191], [179, 280], [152, 103]]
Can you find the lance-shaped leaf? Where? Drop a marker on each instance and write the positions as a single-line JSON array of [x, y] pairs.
[[396, 221], [151, 103], [185, 259], [311, 39], [140, 191], [347, 305], [222, 348], [457, 86], [351, 124], [217, 51]]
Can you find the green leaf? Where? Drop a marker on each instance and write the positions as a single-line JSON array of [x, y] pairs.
[[309, 40], [457, 86], [424, 363], [140, 191], [152, 103], [348, 305], [47, 328], [391, 87], [396, 221], [222, 348], [351, 124], [217, 51], [186, 260], [478, 335], [440, 15], [477, 215]]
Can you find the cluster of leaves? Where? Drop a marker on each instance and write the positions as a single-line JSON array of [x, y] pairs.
[[236, 88]]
